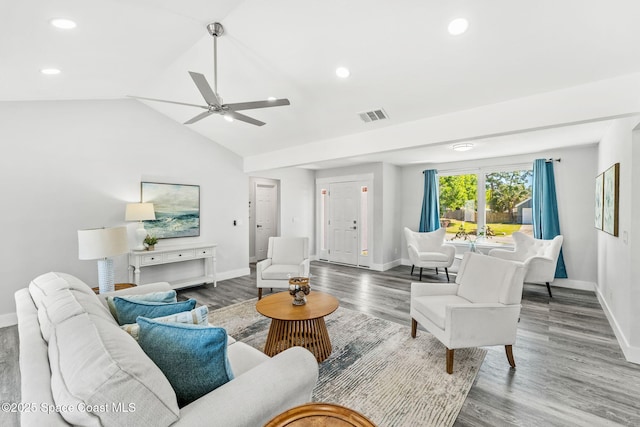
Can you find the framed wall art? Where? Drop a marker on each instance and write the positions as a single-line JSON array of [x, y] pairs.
[[599, 200], [177, 209], [610, 202]]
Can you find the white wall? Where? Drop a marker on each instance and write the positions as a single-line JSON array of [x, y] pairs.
[[618, 284], [574, 177], [392, 237], [297, 202], [70, 165]]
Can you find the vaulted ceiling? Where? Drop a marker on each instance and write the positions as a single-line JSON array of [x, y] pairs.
[[401, 58]]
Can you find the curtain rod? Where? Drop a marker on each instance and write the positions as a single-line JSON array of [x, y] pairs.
[[554, 160]]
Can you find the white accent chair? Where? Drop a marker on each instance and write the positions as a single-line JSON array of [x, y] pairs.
[[286, 257], [538, 256], [428, 250], [481, 308]]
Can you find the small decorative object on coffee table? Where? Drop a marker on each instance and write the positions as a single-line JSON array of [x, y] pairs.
[[299, 287]]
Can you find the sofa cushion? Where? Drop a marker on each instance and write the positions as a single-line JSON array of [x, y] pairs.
[[56, 308], [163, 296], [52, 282], [197, 316], [281, 271], [192, 357], [128, 310], [97, 369]]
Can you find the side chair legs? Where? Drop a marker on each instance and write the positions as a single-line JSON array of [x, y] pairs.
[[446, 270], [414, 328], [412, 267], [450, 361], [549, 289], [509, 350], [259, 293]]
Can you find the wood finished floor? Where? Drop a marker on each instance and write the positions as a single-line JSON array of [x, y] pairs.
[[570, 369]]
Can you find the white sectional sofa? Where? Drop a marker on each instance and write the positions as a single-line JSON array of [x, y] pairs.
[[78, 367]]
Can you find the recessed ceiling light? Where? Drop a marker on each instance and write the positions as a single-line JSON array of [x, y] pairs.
[[458, 26], [50, 71], [65, 24], [271, 98], [462, 147], [228, 118], [342, 72]]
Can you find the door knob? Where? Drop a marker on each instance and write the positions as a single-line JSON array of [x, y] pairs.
[[259, 226]]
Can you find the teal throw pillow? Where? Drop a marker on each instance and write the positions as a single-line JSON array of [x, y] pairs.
[[192, 357], [161, 296], [127, 311]]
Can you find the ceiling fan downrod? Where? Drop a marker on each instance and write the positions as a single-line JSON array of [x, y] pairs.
[[216, 30]]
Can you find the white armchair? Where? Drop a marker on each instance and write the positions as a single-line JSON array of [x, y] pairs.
[[428, 250], [286, 257], [538, 256], [481, 308]]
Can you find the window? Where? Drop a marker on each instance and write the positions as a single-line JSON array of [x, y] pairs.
[[458, 203], [503, 199]]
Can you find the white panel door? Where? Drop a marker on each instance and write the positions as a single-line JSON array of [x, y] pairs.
[[266, 211], [343, 222]]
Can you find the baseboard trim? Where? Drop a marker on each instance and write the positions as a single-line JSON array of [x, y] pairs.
[[232, 274], [8, 319], [631, 353], [581, 285]]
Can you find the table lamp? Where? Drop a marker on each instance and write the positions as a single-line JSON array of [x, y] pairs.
[[101, 244], [139, 212]]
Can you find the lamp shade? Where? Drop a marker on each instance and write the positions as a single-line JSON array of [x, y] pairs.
[[99, 243], [139, 212]]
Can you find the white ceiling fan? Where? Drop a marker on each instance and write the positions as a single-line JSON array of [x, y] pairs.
[[212, 97]]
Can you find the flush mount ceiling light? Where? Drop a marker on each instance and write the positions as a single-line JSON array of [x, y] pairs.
[[63, 23], [50, 71], [342, 72], [462, 147], [458, 26]]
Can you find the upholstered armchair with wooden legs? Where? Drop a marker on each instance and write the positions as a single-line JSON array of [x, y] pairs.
[[428, 250], [481, 308], [538, 256], [286, 257]]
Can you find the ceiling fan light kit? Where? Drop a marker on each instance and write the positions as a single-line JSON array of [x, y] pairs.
[[212, 97]]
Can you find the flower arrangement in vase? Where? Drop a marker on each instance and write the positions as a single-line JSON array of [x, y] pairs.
[[150, 242]]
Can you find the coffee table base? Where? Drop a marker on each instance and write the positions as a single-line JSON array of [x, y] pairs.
[[311, 334]]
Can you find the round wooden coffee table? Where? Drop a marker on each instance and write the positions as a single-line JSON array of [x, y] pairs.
[[298, 325], [320, 414]]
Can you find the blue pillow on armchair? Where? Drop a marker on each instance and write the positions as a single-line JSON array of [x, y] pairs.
[[128, 310], [192, 357]]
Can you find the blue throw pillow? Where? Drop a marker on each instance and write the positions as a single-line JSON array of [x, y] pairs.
[[192, 357], [160, 296], [127, 310]]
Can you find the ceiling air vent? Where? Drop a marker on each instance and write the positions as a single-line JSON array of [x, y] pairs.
[[373, 116]]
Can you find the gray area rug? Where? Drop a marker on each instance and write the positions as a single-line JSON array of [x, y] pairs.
[[376, 367]]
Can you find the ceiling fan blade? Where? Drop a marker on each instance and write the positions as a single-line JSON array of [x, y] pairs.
[[203, 86], [243, 118], [257, 104], [170, 102], [199, 117]]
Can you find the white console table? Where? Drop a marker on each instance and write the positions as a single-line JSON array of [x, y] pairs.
[[171, 254]]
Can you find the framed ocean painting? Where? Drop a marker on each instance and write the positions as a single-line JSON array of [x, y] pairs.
[[610, 201], [177, 208]]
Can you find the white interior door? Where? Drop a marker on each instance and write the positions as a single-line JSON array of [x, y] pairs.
[[266, 211], [343, 222]]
